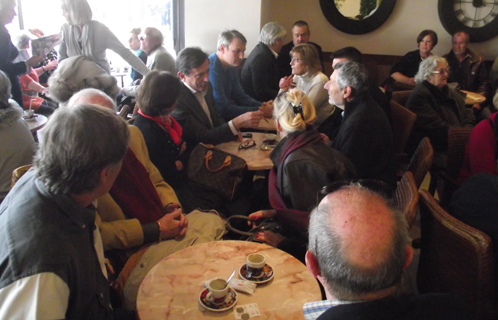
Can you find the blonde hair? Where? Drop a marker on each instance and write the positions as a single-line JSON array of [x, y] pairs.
[[283, 111]]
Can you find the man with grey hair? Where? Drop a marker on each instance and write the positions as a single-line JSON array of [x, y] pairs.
[[195, 109], [260, 75], [358, 249], [50, 251], [140, 209], [229, 97], [158, 57], [365, 135]]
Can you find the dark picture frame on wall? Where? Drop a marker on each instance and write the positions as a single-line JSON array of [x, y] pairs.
[[357, 26]]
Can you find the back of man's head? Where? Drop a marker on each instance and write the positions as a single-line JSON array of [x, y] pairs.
[[271, 32], [347, 53], [76, 144], [352, 74], [190, 58], [92, 96], [359, 241]]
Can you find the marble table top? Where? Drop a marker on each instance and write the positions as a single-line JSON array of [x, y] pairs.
[[256, 158], [171, 289], [36, 123]]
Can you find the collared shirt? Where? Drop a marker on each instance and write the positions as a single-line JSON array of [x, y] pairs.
[[312, 310], [202, 101], [274, 53]]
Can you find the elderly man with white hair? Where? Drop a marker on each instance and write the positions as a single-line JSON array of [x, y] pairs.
[[260, 75]]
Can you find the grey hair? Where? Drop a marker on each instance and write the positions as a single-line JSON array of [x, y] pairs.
[[226, 37], [6, 4], [284, 114], [76, 73], [348, 281], [5, 88], [76, 144], [352, 74], [427, 66], [155, 33], [190, 58], [271, 32], [79, 11], [22, 40]]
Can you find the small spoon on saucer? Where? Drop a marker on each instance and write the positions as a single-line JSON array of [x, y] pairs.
[[230, 278]]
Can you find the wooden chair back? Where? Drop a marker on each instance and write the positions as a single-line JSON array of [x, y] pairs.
[[401, 96], [421, 161], [403, 121], [455, 258], [406, 197]]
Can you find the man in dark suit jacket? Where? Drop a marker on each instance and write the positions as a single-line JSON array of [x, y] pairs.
[[358, 253], [195, 109], [300, 34], [365, 136], [260, 76]]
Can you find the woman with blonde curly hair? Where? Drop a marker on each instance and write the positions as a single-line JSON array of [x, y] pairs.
[[303, 164]]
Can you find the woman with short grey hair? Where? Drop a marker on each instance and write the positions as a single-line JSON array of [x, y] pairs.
[[438, 108], [83, 36], [17, 145]]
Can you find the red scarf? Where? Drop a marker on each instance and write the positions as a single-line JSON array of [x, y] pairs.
[[173, 128], [134, 192]]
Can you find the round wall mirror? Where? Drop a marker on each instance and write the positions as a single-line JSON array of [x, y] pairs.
[[357, 16]]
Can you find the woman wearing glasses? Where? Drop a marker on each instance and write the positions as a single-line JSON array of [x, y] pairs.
[[82, 36], [303, 164], [307, 77], [438, 107]]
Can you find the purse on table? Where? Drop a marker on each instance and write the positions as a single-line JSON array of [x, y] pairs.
[[216, 169]]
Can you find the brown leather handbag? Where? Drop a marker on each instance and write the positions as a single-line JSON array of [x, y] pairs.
[[216, 169]]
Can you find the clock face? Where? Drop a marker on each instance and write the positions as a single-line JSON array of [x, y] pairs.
[[479, 18], [476, 13]]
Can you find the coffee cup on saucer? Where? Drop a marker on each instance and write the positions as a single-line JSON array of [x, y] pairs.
[[271, 139], [29, 114], [218, 289], [255, 263]]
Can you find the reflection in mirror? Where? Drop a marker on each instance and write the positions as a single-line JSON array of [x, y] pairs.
[[357, 9]]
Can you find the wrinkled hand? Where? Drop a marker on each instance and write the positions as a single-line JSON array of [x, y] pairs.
[[34, 61], [51, 65], [267, 109], [325, 138], [269, 237], [173, 223], [183, 147], [247, 120], [260, 215], [286, 83]]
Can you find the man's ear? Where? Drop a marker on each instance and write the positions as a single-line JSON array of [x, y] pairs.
[[104, 175], [347, 92], [409, 257], [312, 264], [181, 75], [222, 48]]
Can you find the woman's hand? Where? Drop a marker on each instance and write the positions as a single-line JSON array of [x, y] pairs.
[[261, 214], [286, 83], [51, 65], [325, 138], [179, 165], [269, 237], [183, 147]]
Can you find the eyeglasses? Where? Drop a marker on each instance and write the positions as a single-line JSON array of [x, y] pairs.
[[442, 71], [296, 59], [246, 144], [377, 186]]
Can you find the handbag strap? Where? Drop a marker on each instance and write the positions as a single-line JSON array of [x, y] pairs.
[[209, 156], [231, 228]]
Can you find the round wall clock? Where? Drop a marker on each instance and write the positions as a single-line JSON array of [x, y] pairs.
[[479, 18]]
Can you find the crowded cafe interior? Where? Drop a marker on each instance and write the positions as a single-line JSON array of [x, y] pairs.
[[267, 159]]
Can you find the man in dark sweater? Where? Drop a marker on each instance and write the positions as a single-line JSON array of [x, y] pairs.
[[358, 249], [365, 136]]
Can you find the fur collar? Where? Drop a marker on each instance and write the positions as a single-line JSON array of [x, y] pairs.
[[10, 115]]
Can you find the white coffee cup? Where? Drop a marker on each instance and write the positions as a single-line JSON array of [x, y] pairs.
[[218, 290], [255, 263], [28, 114]]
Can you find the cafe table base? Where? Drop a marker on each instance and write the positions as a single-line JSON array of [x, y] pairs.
[[171, 289]]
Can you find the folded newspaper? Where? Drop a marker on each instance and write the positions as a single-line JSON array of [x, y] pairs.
[[43, 45]]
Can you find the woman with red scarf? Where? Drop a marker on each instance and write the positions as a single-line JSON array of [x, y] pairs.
[[156, 98]]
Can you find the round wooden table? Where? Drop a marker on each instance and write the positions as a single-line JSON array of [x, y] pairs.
[[171, 289], [256, 158], [36, 123]]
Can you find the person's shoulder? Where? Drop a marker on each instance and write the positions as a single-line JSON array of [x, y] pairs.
[[318, 47]]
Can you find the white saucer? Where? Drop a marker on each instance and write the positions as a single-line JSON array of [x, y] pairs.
[[267, 274]]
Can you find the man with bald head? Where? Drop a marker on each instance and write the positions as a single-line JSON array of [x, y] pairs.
[[142, 209], [358, 249]]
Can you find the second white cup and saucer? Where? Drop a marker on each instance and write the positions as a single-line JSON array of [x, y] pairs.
[[256, 269]]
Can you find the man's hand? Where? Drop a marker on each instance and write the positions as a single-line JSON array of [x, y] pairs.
[[173, 224], [247, 120], [267, 109]]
